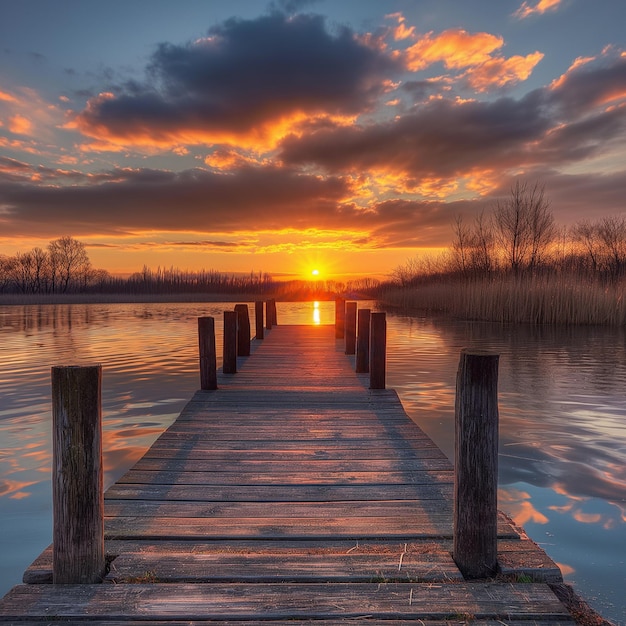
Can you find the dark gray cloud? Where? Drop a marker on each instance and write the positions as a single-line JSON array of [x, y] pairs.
[[565, 123], [246, 73], [590, 84], [442, 138], [198, 200]]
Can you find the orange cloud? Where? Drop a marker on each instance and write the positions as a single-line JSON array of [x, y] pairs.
[[7, 97], [578, 62], [229, 159], [456, 48], [500, 72], [543, 6], [20, 125], [401, 31]]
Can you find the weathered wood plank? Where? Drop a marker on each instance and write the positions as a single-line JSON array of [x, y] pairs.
[[163, 601], [255, 568], [520, 556], [318, 466], [278, 493], [260, 453], [260, 510], [406, 527], [165, 477]]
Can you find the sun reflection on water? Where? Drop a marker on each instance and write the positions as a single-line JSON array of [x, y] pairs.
[[317, 318]]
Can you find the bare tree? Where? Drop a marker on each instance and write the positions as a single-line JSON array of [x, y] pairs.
[[612, 234], [586, 234], [524, 227], [473, 246], [41, 270], [70, 263], [461, 245]]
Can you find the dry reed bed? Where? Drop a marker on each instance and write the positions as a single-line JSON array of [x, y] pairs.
[[530, 301]]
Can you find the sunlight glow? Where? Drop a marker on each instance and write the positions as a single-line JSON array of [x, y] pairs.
[[316, 313]]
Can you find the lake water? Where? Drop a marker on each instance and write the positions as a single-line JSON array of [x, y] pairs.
[[562, 400]]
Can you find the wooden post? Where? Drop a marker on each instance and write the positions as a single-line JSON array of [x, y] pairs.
[[258, 320], [273, 310], [208, 356], [340, 317], [243, 330], [378, 350], [475, 539], [77, 484], [350, 327], [363, 341], [229, 365], [268, 315]]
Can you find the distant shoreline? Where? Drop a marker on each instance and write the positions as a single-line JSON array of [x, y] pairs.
[[17, 299], [118, 298]]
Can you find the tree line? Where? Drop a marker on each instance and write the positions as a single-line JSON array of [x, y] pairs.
[[519, 237], [64, 268]]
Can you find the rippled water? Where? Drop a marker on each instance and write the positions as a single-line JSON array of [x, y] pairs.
[[562, 417]]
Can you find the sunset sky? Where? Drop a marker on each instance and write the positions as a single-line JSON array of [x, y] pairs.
[[341, 135]]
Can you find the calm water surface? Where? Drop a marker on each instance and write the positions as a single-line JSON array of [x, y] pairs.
[[562, 396]]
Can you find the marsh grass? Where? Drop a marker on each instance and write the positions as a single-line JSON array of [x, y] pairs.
[[543, 300]]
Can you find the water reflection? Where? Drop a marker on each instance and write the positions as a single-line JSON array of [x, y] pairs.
[[562, 462], [561, 395]]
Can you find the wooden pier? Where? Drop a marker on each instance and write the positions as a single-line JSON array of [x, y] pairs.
[[291, 493]]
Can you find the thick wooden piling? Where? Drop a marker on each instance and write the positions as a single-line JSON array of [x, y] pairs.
[[272, 303], [350, 327], [475, 540], [258, 320], [363, 341], [243, 330], [269, 317], [378, 350], [229, 364], [340, 317], [77, 484], [208, 356]]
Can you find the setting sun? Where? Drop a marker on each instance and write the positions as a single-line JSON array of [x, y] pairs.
[[315, 272]]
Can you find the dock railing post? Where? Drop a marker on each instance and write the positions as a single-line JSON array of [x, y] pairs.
[[229, 365], [258, 320], [363, 341], [340, 317], [378, 350], [475, 537], [208, 356], [350, 327], [268, 314], [273, 310], [243, 330], [77, 475]]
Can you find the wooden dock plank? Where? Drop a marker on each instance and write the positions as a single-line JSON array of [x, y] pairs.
[[260, 568], [292, 493], [232, 601], [278, 493], [165, 477]]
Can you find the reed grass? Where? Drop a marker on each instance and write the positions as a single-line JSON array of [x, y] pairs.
[[544, 300]]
